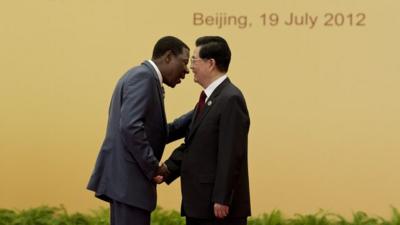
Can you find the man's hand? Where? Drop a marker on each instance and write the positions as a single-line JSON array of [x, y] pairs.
[[163, 170], [158, 179], [161, 173], [221, 211]]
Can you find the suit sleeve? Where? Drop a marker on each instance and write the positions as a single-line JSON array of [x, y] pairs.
[[232, 148], [174, 163], [180, 127], [136, 99]]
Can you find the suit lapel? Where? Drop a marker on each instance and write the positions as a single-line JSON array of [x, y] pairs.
[[212, 100]]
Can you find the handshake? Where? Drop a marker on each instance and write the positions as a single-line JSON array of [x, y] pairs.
[[161, 174]]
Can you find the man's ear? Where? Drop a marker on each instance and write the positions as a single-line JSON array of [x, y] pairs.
[[168, 56], [212, 64]]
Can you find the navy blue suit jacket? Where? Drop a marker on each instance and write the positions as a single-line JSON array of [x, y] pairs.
[[135, 139]]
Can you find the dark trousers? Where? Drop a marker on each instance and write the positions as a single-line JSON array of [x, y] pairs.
[[226, 221], [122, 214]]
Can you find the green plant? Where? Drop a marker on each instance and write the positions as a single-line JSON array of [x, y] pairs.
[[45, 215]]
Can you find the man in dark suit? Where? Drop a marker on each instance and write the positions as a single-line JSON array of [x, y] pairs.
[[212, 162], [125, 173]]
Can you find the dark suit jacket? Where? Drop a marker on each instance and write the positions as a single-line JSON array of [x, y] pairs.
[[212, 163], [135, 139]]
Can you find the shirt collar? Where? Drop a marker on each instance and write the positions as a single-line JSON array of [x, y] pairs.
[[210, 89], [158, 72]]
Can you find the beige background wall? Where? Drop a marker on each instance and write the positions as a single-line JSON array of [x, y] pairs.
[[324, 101]]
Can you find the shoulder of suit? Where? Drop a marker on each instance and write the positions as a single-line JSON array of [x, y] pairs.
[[139, 72], [230, 91], [231, 95]]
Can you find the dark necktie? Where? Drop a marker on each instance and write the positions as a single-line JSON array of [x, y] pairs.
[[201, 104], [163, 91]]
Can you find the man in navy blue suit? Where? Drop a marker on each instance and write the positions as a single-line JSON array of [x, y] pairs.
[[125, 174]]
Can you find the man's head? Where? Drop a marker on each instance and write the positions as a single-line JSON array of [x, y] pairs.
[[210, 59], [171, 56]]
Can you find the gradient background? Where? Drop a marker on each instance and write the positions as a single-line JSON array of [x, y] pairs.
[[324, 102]]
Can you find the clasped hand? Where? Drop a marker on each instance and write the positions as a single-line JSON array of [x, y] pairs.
[[161, 173]]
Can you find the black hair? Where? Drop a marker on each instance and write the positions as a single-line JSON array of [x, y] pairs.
[[215, 47], [168, 43]]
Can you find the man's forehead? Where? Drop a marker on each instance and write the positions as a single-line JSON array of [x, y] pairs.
[[196, 51], [185, 51]]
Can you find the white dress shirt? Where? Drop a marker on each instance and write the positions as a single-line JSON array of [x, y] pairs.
[[210, 89], [158, 72]]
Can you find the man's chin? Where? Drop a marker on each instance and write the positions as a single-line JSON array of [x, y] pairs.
[[170, 85], [177, 82]]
